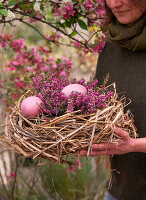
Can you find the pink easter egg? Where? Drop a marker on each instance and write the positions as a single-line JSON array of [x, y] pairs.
[[74, 88], [30, 106]]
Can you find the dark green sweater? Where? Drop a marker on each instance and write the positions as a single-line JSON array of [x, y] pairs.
[[128, 70]]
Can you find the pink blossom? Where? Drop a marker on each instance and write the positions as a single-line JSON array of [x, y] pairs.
[[42, 49], [12, 175], [45, 68], [72, 168], [20, 84], [7, 69], [68, 10], [57, 10], [79, 164], [28, 69], [37, 58], [3, 44], [55, 36], [32, 20], [18, 45], [99, 47], [15, 96], [14, 62], [3, 100], [65, 10], [88, 5]]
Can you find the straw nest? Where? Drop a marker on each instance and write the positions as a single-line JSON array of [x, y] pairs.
[[54, 140]]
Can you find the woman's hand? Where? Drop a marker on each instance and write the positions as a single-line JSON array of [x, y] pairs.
[[123, 146]]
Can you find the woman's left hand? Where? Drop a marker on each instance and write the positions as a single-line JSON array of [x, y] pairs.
[[123, 146]]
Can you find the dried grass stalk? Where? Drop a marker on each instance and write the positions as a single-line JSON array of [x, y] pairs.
[[67, 134]]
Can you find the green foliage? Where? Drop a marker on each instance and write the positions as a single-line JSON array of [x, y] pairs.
[[3, 12], [12, 3], [63, 184], [82, 24]]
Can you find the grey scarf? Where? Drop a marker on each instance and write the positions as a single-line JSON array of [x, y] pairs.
[[132, 37]]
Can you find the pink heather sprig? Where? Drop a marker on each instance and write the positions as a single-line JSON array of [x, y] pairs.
[[55, 103], [49, 91]]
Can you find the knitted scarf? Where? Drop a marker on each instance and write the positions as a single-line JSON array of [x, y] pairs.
[[132, 37]]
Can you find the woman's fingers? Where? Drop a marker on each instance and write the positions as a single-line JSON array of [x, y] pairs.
[[99, 153], [123, 134], [104, 146], [121, 147]]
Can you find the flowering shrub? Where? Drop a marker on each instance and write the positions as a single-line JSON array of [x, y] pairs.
[[25, 63], [72, 18], [55, 103]]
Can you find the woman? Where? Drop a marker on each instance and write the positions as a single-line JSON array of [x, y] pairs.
[[124, 58]]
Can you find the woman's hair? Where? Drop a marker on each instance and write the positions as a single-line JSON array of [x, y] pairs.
[[109, 14]]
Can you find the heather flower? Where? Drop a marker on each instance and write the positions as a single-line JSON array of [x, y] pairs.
[[48, 89]]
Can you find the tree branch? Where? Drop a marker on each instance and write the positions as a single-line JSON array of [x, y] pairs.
[[56, 28], [55, 42]]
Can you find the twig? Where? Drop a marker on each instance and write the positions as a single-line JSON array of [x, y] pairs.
[[5, 189], [57, 28], [33, 183], [14, 182], [55, 42]]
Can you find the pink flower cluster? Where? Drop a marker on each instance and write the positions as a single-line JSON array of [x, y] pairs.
[[55, 36], [48, 89], [88, 5], [78, 165], [19, 84], [19, 44], [99, 47], [79, 46], [90, 8], [95, 48], [66, 10]]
